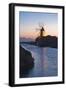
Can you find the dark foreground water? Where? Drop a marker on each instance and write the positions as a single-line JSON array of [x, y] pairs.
[[45, 61]]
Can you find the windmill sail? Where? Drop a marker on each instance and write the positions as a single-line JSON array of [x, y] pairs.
[[41, 29]]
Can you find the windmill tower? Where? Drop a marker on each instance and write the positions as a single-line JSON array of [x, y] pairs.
[[41, 29], [41, 32]]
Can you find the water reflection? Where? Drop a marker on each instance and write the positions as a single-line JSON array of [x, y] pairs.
[[45, 61]]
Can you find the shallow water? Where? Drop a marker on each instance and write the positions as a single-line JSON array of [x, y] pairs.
[[45, 61]]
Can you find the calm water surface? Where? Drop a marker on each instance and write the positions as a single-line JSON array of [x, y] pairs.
[[45, 61]]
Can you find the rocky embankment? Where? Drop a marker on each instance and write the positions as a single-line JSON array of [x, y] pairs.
[[26, 61], [47, 41]]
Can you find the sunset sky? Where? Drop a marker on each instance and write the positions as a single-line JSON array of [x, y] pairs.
[[29, 22]]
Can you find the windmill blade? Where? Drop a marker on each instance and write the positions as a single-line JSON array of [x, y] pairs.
[[37, 29], [41, 24]]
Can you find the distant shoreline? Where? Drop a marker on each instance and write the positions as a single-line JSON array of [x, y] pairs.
[[45, 41]]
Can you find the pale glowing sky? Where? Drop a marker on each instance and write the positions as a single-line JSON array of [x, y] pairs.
[[29, 21]]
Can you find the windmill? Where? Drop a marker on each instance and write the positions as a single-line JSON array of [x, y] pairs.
[[41, 29]]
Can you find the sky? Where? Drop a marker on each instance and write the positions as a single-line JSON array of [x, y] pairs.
[[29, 23]]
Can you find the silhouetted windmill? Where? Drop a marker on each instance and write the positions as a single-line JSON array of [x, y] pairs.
[[42, 30]]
